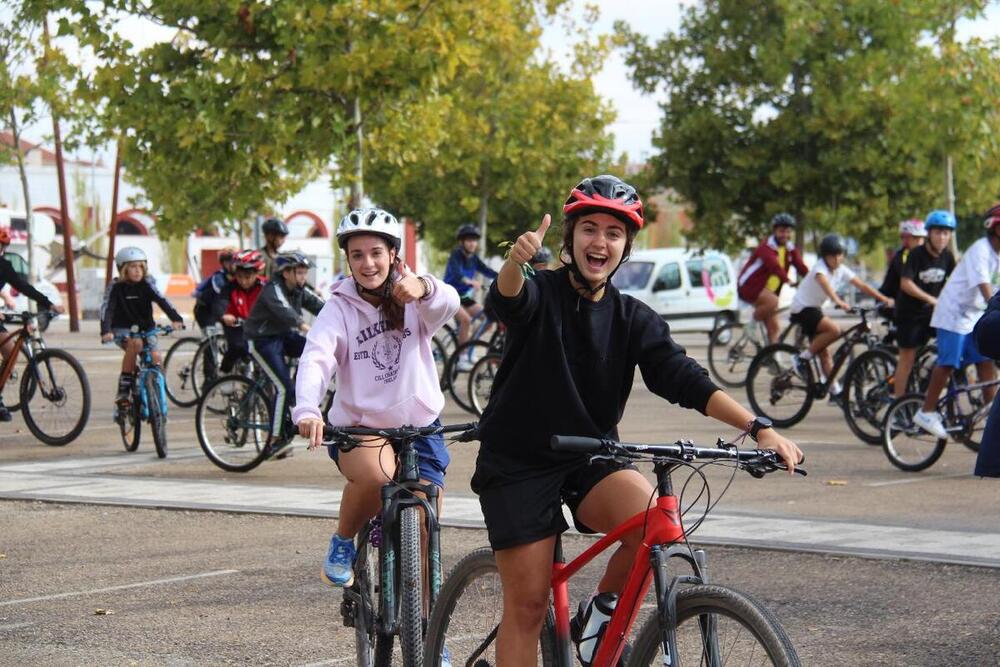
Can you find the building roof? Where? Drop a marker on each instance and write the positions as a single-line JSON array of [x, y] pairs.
[[48, 158]]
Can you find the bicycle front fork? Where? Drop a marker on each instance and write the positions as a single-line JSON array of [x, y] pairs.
[[666, 587]]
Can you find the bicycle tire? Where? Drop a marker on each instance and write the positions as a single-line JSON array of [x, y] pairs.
[[53, 403], [730, 354], [204, 369], [179, 363], [771, 379], [157, 418], [868, 393], [12, 388], [923, 366], [440, 362], [411, 585], [906, 446], [470, 351], [372, 648], [470, 633], [130, 424], [719, 603], [481, 378], [233, 423]]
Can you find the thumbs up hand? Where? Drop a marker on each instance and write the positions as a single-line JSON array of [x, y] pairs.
[[409, 287], [529, 243]]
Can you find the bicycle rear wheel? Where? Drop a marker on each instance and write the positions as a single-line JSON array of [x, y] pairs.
[[12, 388], [55, 397], [775, 389], [868, 393], [373, 649], [178, 371], [205, 365], [730, 353], [907, 446], [459, 364], [411, 585], [717, 626], [481, 381], [467, 613], [157, 411], [233, 423]]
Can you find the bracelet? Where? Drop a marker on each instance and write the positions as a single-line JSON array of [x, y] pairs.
[[427, 287]]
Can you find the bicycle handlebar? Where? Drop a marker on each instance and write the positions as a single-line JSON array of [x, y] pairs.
[[341, 436], [757, 462], [27, 316]]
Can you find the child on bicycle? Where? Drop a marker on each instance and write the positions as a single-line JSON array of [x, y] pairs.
[[128, 302], [574, 342], [276, 329], [8, 276], [375, 333], [209, 291], [959, 306], [235, 302], [463, 266], [819, 287], [922, 275]]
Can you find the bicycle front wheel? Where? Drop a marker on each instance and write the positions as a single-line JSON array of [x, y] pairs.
[[411, 584], [868, 393], [374, 649], [717, 626], [178, 371], [777, 390], [907, 446], [130, 423], [205, 368], [730, 353], [233, 423], [481, 381], [55, 397], [157, 411], [466, 616]]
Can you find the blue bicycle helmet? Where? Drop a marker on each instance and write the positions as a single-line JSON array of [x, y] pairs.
[[940, 218], [290, 260]]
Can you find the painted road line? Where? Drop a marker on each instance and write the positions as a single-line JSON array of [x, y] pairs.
[[920, 478], [140, 584]]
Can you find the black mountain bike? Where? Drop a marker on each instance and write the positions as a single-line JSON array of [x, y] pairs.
[[387, 598]]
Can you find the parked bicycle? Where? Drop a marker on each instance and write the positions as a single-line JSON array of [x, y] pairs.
[[783, 393], [388, 597], [696, 622], [963, 409], [148, 400], [53, 393]]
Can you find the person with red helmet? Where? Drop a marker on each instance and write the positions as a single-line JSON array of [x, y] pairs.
[[235, 302], [766, 271], [573, 345], [9, 276]]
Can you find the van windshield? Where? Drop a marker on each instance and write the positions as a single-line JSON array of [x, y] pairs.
[[632, 275]]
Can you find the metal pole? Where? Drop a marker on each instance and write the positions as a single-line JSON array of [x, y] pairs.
[[113, 229]]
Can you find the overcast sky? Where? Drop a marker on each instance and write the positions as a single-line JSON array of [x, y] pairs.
[[638, 114]]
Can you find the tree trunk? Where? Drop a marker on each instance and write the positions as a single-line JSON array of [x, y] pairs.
[[29, 223], [949, 195], [358, 182], [484, 200]]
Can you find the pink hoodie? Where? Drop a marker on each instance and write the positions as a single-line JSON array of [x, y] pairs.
[[385, 378]]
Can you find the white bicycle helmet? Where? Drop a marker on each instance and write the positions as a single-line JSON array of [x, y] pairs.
[[370, 221], [914, 227], [129, 254]]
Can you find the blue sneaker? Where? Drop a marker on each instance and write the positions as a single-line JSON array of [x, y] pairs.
[[445, 657], [338, 569]]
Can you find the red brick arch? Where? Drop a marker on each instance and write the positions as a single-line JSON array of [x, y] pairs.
[[319, 229]]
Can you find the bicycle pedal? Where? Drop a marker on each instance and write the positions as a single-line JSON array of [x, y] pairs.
[[347, 612]]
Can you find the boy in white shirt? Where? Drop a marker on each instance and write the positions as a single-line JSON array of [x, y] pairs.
[[818, 287], [959, 306]]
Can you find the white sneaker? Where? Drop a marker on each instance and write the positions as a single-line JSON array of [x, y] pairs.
[[930, 422], [464, 365]]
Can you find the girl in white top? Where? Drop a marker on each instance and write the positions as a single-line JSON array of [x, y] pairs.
[[815, 291]]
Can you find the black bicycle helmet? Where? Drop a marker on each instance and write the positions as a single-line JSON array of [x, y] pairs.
[[832, 244], [274, 226], [783, 220], [468, 230], [543, 256], [290, 260]]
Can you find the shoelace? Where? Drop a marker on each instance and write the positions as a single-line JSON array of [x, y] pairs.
[[342, 553]]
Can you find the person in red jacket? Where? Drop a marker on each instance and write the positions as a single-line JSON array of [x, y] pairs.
[[238, 297], [766, 271]]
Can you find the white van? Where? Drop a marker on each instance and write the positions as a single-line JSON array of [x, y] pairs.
[[688, 288]]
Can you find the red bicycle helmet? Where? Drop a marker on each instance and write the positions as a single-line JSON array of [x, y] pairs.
[[992, 217], [4, 236], [250, 260], [606, 194]]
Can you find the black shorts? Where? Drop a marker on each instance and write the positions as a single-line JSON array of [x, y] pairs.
[[467, 301], [913, 333], [530, 509], [808, 318]]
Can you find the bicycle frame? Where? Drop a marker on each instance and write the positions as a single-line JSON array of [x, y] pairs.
[[662, 527], [7, 369], [145, 366], [856, 334]]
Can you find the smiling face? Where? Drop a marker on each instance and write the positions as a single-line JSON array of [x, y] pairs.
[[370, 259], [599, 243]]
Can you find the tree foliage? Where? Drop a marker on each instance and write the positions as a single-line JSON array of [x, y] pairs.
[[841, 112]]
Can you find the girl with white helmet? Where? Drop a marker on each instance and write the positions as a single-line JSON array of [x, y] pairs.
[[375, 333], [128, 302]]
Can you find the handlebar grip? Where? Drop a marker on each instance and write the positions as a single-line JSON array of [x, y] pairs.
[[574, 443]]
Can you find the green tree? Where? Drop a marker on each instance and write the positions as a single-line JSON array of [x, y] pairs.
[[788, 105]]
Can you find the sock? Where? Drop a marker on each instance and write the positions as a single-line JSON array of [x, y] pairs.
[[807, 355], [835, 388]]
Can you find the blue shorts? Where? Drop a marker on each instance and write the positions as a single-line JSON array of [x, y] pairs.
[[432, 456], [123, 332], [957, 350]]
